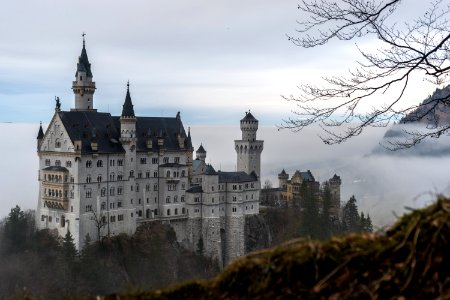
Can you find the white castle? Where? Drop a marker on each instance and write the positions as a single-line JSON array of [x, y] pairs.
[[102, 175]]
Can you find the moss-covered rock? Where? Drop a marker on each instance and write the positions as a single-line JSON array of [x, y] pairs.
[[410, 261]]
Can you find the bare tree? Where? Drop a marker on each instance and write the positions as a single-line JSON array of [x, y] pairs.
[[418, 48], [99, 222]]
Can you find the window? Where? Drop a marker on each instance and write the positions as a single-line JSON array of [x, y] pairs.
[[119, 190], [112, 219], [183, 173], [165, 160], [99, 163], [68, 164], [183, 211], [47, 162], [155, 174], [176, 160], [57, 143], [175, 198], [131, 173], [72, 180], [168, 174], [147, 174], [103, 192], [140, 213], [212, 211], [155, 187], [99, 178], [71, 195], [88, 208], [88, 179], [171, 187], [112, 162], [119, 204], [143, 160], [88, 164], [156, 212], [58, 163], [176, 211], [137, 187], [197, 199], [112, 177], [103, 206], [234, 209], [120, 162], [182, 198], [50, 219], [111, 191], [111, 205], [252, 185], [168, 212], [140, 175], [212, 200], [234, 198], [154, 160], [120, 218], [119, 177], [168, 199], [234, 187], [183, 186]]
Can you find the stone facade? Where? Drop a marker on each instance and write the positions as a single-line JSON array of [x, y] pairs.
[[102, 175]]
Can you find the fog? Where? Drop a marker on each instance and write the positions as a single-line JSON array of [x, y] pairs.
[[383, 184]]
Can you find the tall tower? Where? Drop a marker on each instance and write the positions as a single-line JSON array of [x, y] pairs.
[[83, 87], [249, 149], [283, 179], [128, 140], [201, 153]]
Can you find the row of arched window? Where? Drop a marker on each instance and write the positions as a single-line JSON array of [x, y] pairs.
[[99, 163], [55, 193]]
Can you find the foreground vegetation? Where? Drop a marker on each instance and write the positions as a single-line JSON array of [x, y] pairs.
[[410, 261], [49, 267]]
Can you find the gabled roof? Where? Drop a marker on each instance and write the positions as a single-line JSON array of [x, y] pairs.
[[210, 170], [236, 177], [305, 176], [81, 125]]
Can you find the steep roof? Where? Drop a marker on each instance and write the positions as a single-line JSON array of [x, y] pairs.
[[210, 170], [128, 110], [201, 149], [83, 62], [81, 125], [305, 176], [40, 135], [231, 177]]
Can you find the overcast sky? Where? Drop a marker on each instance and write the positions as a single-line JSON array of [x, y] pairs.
[[211, 60]]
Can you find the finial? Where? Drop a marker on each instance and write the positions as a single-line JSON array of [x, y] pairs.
[[83, 38], [128, 85]]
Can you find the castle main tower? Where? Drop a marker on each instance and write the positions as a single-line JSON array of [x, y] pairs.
[[249, 149], [83, 87]]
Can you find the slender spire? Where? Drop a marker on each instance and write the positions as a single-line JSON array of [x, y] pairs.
[[128, 110], [41, 132], [83, 60]]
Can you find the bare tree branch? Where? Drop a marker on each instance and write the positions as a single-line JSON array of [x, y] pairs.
[[414, 49]]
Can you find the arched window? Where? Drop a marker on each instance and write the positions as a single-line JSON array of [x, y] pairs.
[[88, 164], [147, 213], [99, 163], [111, 191], [183, 173], [183, 211], [99, 178], [168, 212], [168, 174], [112, 176], [168, 199], [88, 179], [176, 211], [103, 192], [57, 143]]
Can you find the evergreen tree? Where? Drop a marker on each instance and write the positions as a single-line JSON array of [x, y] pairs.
[[309, 213], [350, 217], [68, 248], [325, 217], [15, 231]]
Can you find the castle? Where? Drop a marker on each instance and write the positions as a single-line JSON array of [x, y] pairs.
[[289, 191], [102, 175]]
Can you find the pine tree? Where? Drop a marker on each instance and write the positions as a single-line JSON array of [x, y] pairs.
[[350, 217], [310, 221], [325, 217], [15, 231], [68, 248]]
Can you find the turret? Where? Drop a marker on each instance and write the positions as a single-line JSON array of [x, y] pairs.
[[283, 179], [201, 153], [249, 126], [127, 118], [249, 149], [83, 87], [40, 136]]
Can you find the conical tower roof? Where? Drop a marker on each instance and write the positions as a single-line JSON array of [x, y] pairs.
[[83, 62], [128, 110]]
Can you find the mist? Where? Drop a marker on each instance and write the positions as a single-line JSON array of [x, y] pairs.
[[383, 184]]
